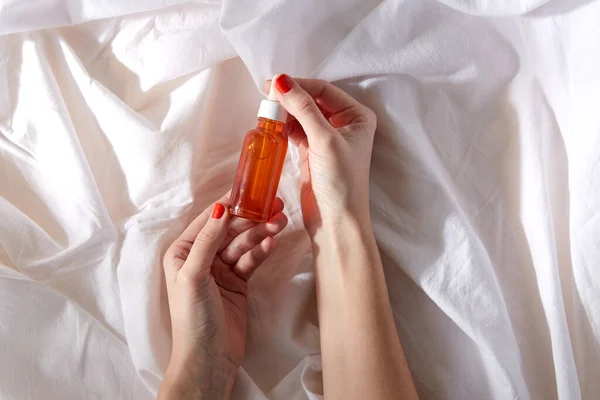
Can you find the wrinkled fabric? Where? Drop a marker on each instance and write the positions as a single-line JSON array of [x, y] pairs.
[[120, 121]]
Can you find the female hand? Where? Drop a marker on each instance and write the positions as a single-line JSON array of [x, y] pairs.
[[207, 269], [334, 135]]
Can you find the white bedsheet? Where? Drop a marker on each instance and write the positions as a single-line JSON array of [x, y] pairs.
[[121, 120]]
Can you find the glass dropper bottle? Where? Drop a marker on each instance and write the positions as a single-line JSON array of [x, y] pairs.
[[261, 162]]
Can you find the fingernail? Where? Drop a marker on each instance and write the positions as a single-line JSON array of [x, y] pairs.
[[218, 211], [284, 83]]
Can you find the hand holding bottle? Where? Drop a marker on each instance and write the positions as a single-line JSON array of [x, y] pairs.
[[334, 135], [206, 272]]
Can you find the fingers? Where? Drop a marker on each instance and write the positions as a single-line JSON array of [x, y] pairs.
[[206, 244], [336, 107], [194, 250], [240, 225], [328, 96], [295, 133], [178, 252], [251, 260], [227, 279], [301, 105], [278, 205], [188, 236], [252, 237]]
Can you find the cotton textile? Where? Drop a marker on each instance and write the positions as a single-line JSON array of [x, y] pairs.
[[122, 120]]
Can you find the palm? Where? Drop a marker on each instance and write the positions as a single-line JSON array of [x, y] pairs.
[[208, 306], [228, 293], [307, 197], [316, 165], [310, 213], [325, 165]]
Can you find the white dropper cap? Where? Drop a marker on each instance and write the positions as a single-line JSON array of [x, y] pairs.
[[271, 108]]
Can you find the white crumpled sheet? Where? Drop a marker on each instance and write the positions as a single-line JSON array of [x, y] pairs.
[[121, 120]]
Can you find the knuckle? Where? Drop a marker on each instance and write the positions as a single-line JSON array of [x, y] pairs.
[[238, 251], [323, 86], [231, 253], [206, 236], [253, 260], [364, 115], [259, 257], [305, 104], [370, 116], [364, 118], [175, 251], [258, 234]]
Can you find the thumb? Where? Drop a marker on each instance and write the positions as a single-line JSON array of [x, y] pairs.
[[301, 105], [206, 244]]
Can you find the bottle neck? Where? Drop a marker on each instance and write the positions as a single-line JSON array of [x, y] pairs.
[[270, 125]]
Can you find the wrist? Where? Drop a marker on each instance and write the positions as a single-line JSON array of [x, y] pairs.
[[339, 239], [341, 224], [198, 377]]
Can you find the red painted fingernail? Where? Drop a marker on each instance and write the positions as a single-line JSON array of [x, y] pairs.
[[284, 83], [218, 211]]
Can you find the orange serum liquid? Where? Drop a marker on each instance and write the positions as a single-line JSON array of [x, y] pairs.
[[260, 165]]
